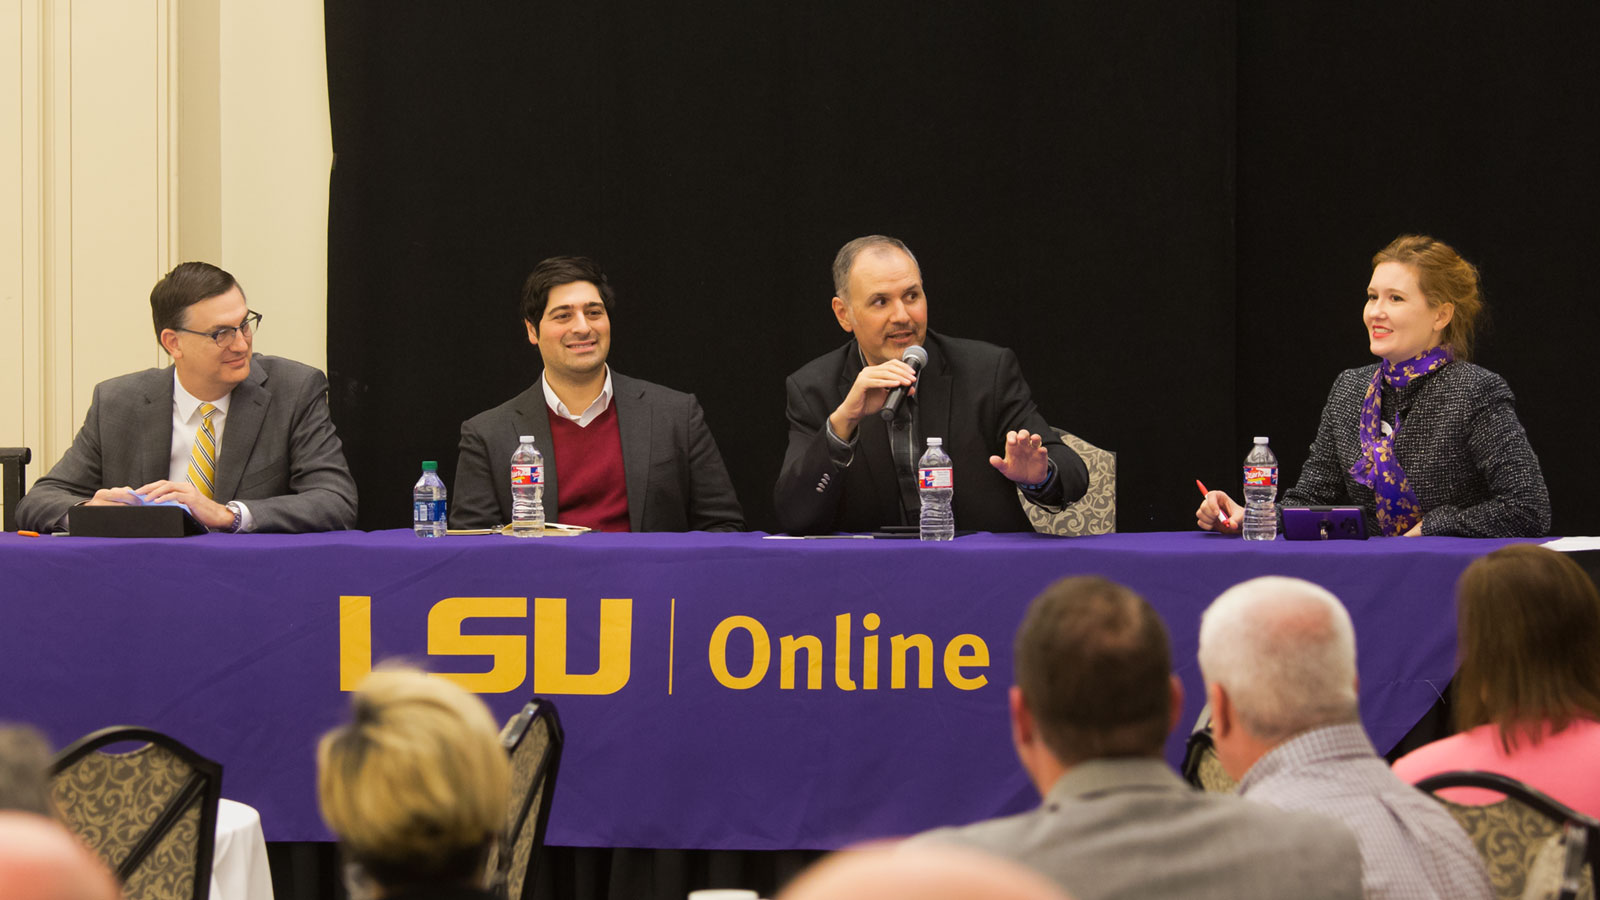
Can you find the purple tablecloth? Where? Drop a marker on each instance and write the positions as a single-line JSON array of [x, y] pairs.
[[236, 645]]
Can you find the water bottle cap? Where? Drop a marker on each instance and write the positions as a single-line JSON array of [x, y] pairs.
[[526, 439], [1261, 440], [429, 465], [935, 442]]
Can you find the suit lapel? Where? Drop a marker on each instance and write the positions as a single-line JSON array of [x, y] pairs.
[[634, 427], [532, 416], [247, 409], [934, 393], [154, 429]]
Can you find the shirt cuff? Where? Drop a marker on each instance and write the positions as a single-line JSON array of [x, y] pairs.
[[841, 451], [247, 522], [1044, 493]]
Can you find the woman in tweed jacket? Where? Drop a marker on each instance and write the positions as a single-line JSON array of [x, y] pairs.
[[1423, 440]]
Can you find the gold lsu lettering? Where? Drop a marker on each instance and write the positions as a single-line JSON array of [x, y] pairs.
[[508, 651], [962, 652]]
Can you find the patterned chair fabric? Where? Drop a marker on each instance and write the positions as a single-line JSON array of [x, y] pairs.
[[1096, 512], [1533, 846], [533, 738], [150, 812], [1201, 766]]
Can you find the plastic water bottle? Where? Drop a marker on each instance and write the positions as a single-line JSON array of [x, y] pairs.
[[427, 503], [1260, 492], [936, 487], [527, 490]]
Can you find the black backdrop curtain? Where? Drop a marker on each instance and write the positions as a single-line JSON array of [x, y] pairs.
[[1166, 208]]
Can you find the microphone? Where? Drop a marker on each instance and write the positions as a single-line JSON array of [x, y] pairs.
[[916, 358]]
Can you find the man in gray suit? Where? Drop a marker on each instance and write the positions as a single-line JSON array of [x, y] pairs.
[[242, 439], [620, 454], [1092, 706]]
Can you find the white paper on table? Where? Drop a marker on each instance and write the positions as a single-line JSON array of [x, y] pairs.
[[1569, 544]]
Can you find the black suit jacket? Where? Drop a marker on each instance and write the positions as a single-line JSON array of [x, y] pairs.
[[279, 451], [970, 393], [675, 477]]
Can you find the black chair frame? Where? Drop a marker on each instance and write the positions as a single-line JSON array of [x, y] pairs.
[[203, 785], [543, 785], [1576, 823], [13, 477]]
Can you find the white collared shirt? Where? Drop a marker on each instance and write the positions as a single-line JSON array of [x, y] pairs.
[[186, 422], [600, 404]]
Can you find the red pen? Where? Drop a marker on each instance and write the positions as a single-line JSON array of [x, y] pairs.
[[1223, 513]]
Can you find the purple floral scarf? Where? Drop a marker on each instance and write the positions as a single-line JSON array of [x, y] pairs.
[[1398, 510]]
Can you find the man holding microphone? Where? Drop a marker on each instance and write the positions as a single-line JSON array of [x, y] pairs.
[[850, 468]]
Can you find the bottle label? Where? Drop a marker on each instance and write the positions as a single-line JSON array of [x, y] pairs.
[[527, 476], [427, 511], [1260, 476], [935, 478]]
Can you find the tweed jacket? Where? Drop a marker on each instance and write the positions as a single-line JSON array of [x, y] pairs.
[[1462, 447]]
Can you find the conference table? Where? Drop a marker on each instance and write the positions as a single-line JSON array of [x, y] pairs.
[[719, 691]]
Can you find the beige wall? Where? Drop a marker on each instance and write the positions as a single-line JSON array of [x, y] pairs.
[[146, 134]]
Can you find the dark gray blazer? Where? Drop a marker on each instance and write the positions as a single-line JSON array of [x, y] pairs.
[[970, 393], [674, 475], [1460, 442], [280, 453], [1116, 829]]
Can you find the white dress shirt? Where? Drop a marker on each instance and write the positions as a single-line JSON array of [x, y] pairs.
[[600, 404], [186, 422]]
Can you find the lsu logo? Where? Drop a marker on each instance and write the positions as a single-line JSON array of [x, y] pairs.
[[506, 646]]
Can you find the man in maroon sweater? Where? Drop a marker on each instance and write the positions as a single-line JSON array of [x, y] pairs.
[[620, 454]]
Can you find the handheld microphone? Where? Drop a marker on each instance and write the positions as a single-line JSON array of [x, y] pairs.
[[916, 358]]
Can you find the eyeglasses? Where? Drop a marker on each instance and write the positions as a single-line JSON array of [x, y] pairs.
[[224, 336]]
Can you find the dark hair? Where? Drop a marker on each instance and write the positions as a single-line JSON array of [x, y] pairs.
[[553, 273], [1444, 277], [182, 288], [845, 259], [1529, 621], [1095, 671]]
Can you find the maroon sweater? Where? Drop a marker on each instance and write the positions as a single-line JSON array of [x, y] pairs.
[[591, 489]]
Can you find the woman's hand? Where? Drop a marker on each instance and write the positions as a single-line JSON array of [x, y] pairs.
[[1219, 513], [1416, 530]]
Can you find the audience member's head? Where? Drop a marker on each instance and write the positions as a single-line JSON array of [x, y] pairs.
[[415, 787], [1529, 623], [919, 873], [25, 770], [41, 860], [1093, 678], [1279, 658]]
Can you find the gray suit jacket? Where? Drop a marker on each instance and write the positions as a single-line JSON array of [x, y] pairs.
[[674, 475], [1128, 828], [279, 451]]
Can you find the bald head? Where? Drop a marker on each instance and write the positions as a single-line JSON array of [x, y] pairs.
[[1285, 652], [41, 860], [919, 873]]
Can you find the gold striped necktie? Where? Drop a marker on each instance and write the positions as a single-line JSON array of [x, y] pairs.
[[203, 459]]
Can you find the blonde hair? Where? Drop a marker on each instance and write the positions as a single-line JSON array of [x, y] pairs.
[[1444, 277], [417, 784]]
